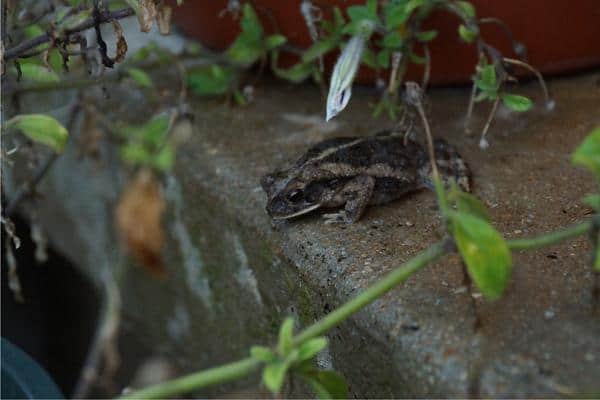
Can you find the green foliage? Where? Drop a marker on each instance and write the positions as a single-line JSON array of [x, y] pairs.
[[468, 34], [211, 80], [38, 73], [466, 8], [593, 200], [251, 44], [327, 384], [147, 144], [516, 102], [40, 128], [467, 203], [484, 252], [588, 153], [140, 77], [297, 358], [487, 82]]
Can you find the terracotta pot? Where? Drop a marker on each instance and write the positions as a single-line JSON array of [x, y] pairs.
[[560, 36]]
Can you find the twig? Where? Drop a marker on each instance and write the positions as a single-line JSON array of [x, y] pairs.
[[103, 17], [27, 187], [427, 72], [549, 102], [483, 141]]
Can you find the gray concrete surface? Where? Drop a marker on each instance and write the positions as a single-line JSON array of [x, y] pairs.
[[234, 275]]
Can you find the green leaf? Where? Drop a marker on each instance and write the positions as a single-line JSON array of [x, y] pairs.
[[296, 74], [164, 160], [467, 203], [466, 8], [516, 102], [395, 15], [486, 79], [210, 80], [263, 354], [41, 128], [383, 58], [484, 251], [392, 39], [248, 47], [284, 345], [427, 36], [274, 41], [140, 77], [415, 58], [466, 34], [588, 153], [135, 154], [38, 73], [274, 375], [369, 58], [412, 5], [592, 200], [319, 48], [327, 384], [310, 348]]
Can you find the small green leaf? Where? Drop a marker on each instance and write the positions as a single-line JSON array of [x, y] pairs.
[[592, 200], [249, 45], [486, 80], [284, 345], [516, 102], [412, 5], [210, 80], [392, 39], [395, 15], [164, 160], [327, 384], [383, 58], [263, 354], [417, 59], [319, 48], [467, 203], [296, 74], [369, 59], [310, 348], [275, 41], [41, 128], [484, 251], [588, 153], [140, 77], [426, 36], [135, 154], [466, 8], [274, 375], [466, 34], [38, 73]]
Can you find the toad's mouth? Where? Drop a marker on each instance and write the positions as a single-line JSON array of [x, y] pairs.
[[298, 213]]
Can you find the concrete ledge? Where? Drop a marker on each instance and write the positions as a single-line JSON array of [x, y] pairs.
[[234, 274]]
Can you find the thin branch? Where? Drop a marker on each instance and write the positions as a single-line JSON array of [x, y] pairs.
[[103, 17], [549, 102], [483, 141]]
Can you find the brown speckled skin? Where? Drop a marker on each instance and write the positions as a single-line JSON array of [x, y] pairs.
[[355, 172]]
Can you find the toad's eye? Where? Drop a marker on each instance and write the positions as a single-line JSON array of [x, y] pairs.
[[295, 196]]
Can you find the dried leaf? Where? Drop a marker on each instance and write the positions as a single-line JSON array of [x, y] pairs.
[[138, 219], [163, 19], [121, 42], [146, 14], [9, 229], [14, 283], [41, 243]]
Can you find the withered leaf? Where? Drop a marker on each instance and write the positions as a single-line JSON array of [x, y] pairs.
[[121, 42], [138, 219], [146, 14], [163, 19]]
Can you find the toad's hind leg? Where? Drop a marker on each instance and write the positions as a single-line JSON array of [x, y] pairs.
[[357, 192]]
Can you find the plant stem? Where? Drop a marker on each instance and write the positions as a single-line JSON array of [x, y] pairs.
[[373, 292], [238, 369], [488, 123], [17, 51], [550, 238], [191, 382], [537, 73]]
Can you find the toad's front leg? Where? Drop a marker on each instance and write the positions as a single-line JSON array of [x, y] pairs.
[[356, 192]]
